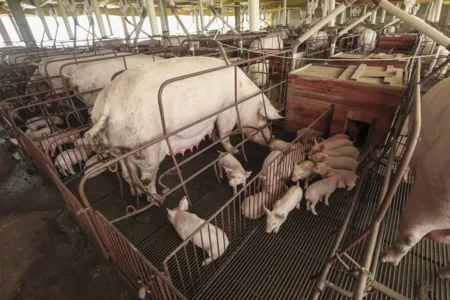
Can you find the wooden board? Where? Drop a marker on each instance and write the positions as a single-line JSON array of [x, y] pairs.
[[313, 89]]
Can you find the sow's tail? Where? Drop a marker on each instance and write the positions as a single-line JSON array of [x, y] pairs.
[[100, 124]]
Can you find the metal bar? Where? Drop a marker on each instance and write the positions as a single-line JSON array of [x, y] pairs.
[[174, 12], [13, 22], [98, 16], [41, 16], [63, 14], [331, 7], [202, 17], [237, 16], [4, 34], [253, 7], [214, 11], [152, 17], [105, 9], [162, 19], [383, 16]]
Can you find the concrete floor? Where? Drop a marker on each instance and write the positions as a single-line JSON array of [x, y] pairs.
[[43, 254]]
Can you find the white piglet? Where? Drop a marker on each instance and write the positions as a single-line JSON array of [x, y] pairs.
[[339, 162], [253, 206], [302, 171], [329, 145], [325, 170], [323, 188], [211, 238], [348, 151], [39, 133], [36, 124], [279, 145], [282, 208], [233, 169], [65, 161]]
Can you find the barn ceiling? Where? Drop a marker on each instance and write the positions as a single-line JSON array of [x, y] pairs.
[[184, 7]]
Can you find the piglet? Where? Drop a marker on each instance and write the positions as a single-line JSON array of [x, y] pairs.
[[278, 145], [322, 188], [306, 135], [210, 238], [338, 136], [253, 206], [39, 133], [348, 151], [282, 208], [55, 141], [36, 124], [329, 145], [339, 162], [325, 171], [302, 171], [235, 172], [65, 161]]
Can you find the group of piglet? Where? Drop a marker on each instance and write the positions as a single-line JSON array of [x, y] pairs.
[[333, 159], [39, 129]]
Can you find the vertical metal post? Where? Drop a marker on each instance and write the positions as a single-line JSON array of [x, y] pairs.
[[383, 16], [284, 12], [162, 19], [105, 9], [253, 7], [63, 14], [41, 16], [4, 34], [202, 17], [237, 16], [98, 16], [21, 22], [331, 7], [288, 19], [329, 121], [447, 20], [152, 17]]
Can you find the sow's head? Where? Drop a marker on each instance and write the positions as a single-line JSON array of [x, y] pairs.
[[265, 113]]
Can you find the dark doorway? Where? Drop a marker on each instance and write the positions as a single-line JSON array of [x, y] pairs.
[[358, 131]]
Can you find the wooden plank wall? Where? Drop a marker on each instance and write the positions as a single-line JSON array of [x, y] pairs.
[[399, 43]]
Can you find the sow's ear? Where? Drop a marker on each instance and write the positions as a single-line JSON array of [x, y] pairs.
[[272, 113]]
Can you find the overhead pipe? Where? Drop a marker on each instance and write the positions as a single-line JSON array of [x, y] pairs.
[[152, 17], [383, 16], [4, 34], [331, 7], [202, 18], [316, 27], [415, 22], [98, 16], [346, 30], [41, 16], [105, 9], [253, 7]]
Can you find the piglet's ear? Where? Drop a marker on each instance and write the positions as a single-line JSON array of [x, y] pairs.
[[322, 147], [323, 158], [184, 204], [247, 174], [266, 210], [315, 141]]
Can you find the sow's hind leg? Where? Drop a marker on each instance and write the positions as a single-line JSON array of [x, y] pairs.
[[225, 124], [148, 164]]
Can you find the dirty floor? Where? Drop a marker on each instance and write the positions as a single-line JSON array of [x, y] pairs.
[[43, 254]]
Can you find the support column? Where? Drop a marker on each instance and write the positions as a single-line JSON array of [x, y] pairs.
[[105, 9], [63, 14], [21, 21], [383, 16], [202, 17], [447, 20], [162, 13], [4, 34], [374, 15], [98, 16], [331, 7], [437, 13], [284, 12], [41, 16], [288, 19], [237, 16], [152, 17], [253, 10]]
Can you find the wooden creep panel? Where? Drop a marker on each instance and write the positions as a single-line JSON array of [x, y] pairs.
[[361, 93], [404, 43], [373, 59]]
